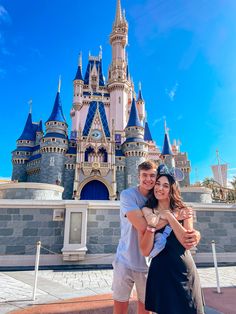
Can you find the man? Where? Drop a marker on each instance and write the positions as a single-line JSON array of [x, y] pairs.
[[130, 266]]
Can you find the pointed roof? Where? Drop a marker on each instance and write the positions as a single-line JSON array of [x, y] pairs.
[[140, 97], [40, 127], [57, 112], [133, 117], [166, 150], [79, 75], [29, 131], [118, 17], [93, 106], [91, 64], [147, 133]]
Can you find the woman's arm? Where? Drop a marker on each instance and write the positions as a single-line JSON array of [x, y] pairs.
[[179, 230], [146, 240]]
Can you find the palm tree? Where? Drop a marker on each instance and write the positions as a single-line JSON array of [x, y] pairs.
[[233, 182], [208, 182]]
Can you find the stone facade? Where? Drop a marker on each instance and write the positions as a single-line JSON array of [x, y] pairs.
[[24, 222]]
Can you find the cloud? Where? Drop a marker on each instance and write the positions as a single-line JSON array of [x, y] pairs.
[[4, 16], [158, 120], [210, 26], [172, 92]]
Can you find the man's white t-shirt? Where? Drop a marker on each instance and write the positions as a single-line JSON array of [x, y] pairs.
[[128, 251]]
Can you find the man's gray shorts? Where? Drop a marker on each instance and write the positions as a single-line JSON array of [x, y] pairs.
[[123, 281]]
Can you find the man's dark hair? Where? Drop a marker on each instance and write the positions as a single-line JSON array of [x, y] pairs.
[[147, 165]]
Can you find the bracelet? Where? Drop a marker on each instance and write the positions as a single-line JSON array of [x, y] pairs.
[[151, 229]]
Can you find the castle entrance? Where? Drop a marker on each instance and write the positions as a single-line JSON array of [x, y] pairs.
[[94, 190]]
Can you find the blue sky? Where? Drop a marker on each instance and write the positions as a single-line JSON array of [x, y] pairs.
[[183, 52]]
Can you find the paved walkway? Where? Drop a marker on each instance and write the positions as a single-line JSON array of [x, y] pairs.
[[53, 286]]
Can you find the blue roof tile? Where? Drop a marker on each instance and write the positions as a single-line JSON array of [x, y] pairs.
[[166, 150], [29, 130], [72, 151], [57, 112], [37, 156], [40, 126], [23, 149], [133, 116], [134, 139], [54, 134], [79, 75], [99, 69], [147, 133], [92, 110], [119, 153]]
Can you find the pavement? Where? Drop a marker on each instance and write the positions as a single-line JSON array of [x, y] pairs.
[[89, 291]]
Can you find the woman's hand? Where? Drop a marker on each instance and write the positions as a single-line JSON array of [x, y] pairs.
[[165, 214], [183, 213]]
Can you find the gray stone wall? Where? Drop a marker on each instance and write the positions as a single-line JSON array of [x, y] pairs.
[[103, 230], [20, 229], [219, 226], [68, 182], [52, 166], [19, 172], [34, 177], [131, 173]]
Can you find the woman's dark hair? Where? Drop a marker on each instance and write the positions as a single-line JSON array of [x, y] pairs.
[[175, 197]]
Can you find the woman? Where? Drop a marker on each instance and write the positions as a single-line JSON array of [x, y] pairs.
[[173, 285]]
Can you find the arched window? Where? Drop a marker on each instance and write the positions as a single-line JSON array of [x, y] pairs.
[[102, 154], [89, 154]]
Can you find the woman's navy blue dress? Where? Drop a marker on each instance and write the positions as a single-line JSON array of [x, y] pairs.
[[173, 285]]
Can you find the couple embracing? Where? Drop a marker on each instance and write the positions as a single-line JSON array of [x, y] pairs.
[[156, 223]]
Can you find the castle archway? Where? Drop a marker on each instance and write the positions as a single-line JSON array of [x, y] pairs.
[[94, 190]]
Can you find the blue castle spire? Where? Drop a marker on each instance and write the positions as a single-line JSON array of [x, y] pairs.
[[140, 97], [29, 131], [133, 117], [147, 133], [57, 112], [166, 150], [79, 75]]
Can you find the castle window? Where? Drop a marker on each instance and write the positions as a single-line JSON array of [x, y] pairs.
[[64, 141], [55, 122], [53, 139]]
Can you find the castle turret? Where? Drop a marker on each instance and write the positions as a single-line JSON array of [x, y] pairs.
[[119, 84], [78, 84], [141, 105], [54, 145], [167, 153], [22, 153], [39, 132], [134, 148]]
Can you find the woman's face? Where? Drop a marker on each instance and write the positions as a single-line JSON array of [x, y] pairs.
[[162, 188]]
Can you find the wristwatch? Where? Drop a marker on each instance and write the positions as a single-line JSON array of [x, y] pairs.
[[151, 229]]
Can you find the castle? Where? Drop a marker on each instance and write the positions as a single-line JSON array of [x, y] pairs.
[[109, 138]]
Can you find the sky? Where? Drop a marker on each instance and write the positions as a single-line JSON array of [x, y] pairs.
[[183, 52]]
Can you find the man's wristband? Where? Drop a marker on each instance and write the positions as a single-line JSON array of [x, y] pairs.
[[151, 229]]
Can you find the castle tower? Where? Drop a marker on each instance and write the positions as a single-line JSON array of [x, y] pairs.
[[167, 154], [78, 84], [21, 155], [134, 148], [54, 145], [39, 133], [182, 162], [119, 84], [141, 105]]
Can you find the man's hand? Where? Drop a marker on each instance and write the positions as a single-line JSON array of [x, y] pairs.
[[183, 213], [191, 238]]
